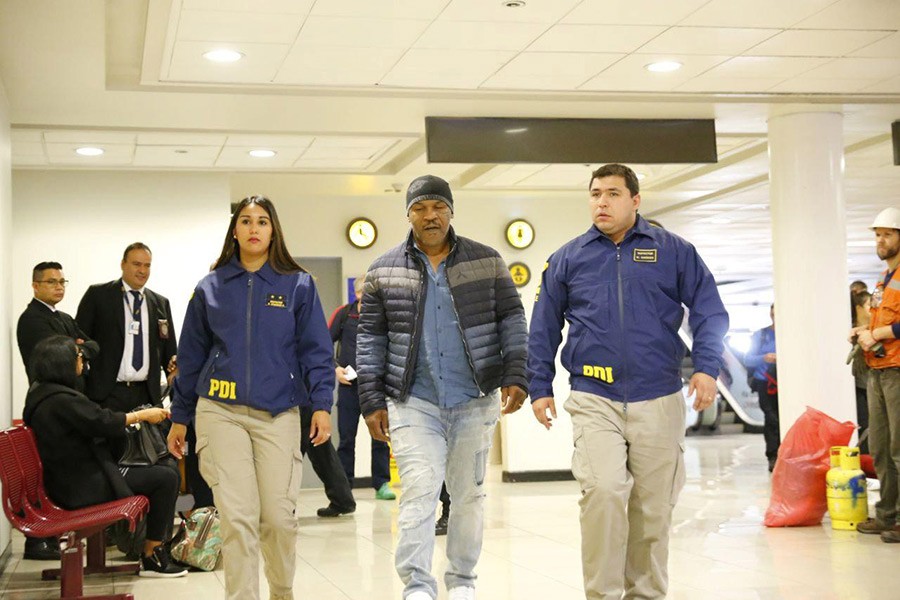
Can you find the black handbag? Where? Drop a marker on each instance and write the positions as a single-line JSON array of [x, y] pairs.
[[145, 444]]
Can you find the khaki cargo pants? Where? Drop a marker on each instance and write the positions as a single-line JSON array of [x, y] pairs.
[[629, 462]]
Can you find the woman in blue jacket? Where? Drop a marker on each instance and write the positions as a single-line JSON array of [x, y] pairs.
[[254, 348]]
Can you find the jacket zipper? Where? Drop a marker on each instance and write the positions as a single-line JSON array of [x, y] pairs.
[[622, 321], [463, 337], [414, 344], [249, 330]]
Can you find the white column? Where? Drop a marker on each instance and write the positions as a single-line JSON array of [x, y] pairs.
[[809, 247]]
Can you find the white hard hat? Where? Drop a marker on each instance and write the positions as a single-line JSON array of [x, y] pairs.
[[889, 218]]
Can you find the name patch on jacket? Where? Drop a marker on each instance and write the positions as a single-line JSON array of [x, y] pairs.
[[647, 255], [276, 300], [602, 373], [225, 390]]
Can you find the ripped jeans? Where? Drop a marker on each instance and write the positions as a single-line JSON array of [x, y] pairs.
[[432, 444]]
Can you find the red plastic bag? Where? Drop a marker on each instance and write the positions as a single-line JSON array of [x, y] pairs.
[[798, 483]]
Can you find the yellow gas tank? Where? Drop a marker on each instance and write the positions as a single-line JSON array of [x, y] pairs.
[[846, 489]]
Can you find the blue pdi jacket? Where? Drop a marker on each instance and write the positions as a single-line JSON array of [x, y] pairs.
[[254, 339], [624, 309]]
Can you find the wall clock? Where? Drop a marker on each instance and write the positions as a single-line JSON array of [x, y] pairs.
[[519, 234], [361, 232]]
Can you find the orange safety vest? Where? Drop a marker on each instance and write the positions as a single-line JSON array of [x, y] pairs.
[[887, 313]]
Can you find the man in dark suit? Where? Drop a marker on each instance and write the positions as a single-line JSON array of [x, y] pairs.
[[41, 320], [134, 328]]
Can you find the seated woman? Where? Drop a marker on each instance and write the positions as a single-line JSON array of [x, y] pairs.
[[78, 468]]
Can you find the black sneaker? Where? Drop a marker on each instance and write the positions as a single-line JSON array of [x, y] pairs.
[[440, 528], [159, 564], [333, 511], [41, 549]]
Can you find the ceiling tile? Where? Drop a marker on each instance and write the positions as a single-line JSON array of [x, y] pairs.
[[327, 164], [633, 12], [28, 160], [888, 47], [586, 38], [809, 42], [27, 148], [550, 70], [344, 32], [766, 66], [154, 138], [324, 152], [114, 155], [421, 67], [857, 68], [176, 156], [237, 157], [505, 176], [755, 13], [238, 27], [82, 137], [630, 74], [534, 11], [405, 9], [259, 65], [707, 40], [342, 141], [888, 86], [857, 14], [26, 135], [263, 140], [479, 35], [307, 65], [559, 176], [258, 6], [811, 85]]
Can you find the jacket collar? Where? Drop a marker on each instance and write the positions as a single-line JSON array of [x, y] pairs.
[[411, 247], [234, 269], [641, 227]]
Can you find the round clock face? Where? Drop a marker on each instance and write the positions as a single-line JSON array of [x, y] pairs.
[[519, 234], [362, 233]]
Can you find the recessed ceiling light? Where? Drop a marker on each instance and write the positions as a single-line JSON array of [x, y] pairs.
[[261, 153], [517, 130], [513, 3], [663, 66], [223, 55], [88, 151]]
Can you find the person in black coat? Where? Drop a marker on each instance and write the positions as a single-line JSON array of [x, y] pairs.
[[78, 468], [41, 320], [134, 328]]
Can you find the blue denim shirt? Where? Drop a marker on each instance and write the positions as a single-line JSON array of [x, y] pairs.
[[443, 375]]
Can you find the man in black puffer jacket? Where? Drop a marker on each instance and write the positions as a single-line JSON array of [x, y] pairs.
[[441, 329]]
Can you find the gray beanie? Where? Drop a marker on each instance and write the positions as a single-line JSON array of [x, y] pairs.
[[428, 187]]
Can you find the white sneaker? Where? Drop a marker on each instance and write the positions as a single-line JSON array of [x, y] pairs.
[[419, 596], [462, 593]]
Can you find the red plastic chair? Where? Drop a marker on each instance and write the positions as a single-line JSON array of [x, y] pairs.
[[28, 508]]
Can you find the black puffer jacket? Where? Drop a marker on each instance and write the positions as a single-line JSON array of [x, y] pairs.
[[390, 325]]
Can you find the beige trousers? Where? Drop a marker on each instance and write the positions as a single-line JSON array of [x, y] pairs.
[[252, 462], [629, 461]]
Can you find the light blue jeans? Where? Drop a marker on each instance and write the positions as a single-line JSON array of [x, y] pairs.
[[432, 444]]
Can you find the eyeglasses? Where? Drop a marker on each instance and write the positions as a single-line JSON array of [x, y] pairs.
[[54, 282]]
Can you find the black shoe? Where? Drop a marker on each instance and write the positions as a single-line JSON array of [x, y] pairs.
[[440, 528], [771, 464], [41, 549], [159, 564], [333, 511]]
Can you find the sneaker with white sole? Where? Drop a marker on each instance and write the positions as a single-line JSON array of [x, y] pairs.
[[159, 564], [462, 593]]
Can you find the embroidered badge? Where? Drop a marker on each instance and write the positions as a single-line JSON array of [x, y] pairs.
[[276, 300], [647, 255]]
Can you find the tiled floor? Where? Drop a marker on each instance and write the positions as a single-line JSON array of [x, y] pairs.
[[719, 549]]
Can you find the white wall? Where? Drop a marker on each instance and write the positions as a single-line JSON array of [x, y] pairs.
[[6, 246], [85, 220]]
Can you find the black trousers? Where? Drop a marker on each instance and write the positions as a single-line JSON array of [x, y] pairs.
[[159, 483], [769, 405], [445, 500], [862, 417], [327, 465], [200, 490], [348, 422]]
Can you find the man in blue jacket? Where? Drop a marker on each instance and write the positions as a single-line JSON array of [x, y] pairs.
[[621, 287], [442, 327], [761, 361]]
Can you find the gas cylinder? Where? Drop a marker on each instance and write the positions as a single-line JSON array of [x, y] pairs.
[[846, 489]]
